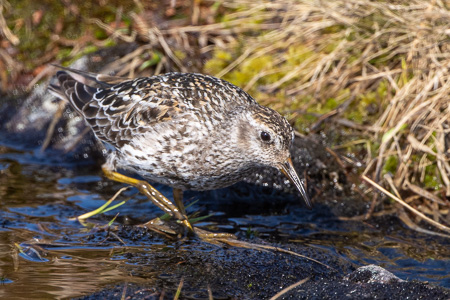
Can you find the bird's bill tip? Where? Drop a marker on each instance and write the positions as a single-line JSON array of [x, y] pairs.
[[287, 168]]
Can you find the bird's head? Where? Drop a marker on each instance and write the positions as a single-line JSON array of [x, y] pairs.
[[266, 137]]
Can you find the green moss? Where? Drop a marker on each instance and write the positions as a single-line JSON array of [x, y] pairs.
[[330, 47], [296, 54], [352, 58], [110, 43], [432, 144], [333, 29], [100, 34], [374, 146], [301, 102], [68, 59], [249, 69], [382, 89], [360, 110], [355, 116], [89, 49], [225, 19], [431, 179], [326, 106], [303, 123], [351, 36], [281, 97], [218, 62], [244, 72], [330, 105], [179, 54], [391, 164], [154, 59], [63, 53]]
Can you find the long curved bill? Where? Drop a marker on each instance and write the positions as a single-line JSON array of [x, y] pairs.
[[288, 169]]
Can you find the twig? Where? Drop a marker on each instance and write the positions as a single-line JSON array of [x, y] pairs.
[[289, 288], [180, 286], [400, 201]]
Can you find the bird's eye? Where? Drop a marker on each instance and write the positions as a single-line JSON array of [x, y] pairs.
[[265, 136]]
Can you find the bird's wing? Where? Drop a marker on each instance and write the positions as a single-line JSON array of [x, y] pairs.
[[119, 112]]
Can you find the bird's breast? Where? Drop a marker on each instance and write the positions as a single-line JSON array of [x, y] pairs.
[[187, 163]]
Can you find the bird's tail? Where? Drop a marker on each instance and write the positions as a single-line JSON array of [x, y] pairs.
[[78, 87], [69, 89]]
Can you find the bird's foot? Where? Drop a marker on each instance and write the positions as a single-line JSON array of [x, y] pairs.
[[170, 229], [214, 237], [179, 229]]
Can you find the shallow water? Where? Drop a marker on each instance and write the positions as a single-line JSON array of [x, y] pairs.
[[45, 254]]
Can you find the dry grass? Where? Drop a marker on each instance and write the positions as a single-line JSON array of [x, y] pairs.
[[365, 55], [375, 70]]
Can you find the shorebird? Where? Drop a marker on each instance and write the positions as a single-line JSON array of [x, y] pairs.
[[185, 130]]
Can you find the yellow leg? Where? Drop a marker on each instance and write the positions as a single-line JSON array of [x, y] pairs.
[[151, 193], [178, 198]]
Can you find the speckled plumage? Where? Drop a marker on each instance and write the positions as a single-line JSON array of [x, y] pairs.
[[185, 130]]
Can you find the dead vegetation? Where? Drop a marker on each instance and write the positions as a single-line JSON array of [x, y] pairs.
[[376, 72]]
